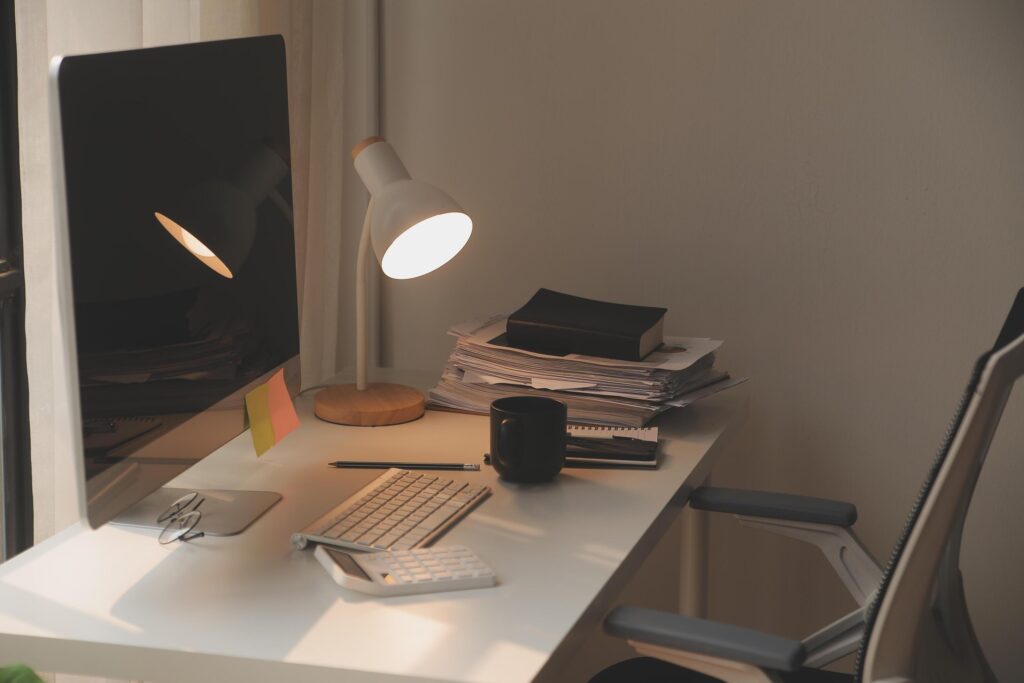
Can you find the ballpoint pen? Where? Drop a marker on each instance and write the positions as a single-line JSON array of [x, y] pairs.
[[377, 465]]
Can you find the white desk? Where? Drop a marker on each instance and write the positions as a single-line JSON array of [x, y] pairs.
[[114, 602]]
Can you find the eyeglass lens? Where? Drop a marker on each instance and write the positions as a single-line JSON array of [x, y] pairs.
[[178, 506], [181, 528]]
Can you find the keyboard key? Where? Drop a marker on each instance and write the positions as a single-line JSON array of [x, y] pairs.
[[369, 537], [335, 531]]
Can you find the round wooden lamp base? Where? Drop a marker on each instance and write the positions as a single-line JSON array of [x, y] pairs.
[[378, 404]]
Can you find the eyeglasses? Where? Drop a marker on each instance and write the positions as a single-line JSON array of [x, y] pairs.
[[181, 517]]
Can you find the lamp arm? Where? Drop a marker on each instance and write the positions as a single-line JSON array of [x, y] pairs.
[[362, 331]]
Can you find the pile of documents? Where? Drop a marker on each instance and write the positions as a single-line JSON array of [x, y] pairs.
[[601, 391]]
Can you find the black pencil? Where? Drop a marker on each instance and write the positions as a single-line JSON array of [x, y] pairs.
[[378, 465]]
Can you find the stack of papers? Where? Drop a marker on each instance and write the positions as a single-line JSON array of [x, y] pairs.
[[602, 391]]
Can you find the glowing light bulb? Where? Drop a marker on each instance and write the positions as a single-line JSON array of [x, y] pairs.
[[194, 245], [427, 246]]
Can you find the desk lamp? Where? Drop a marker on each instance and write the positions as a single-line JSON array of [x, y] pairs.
[[414, 228]]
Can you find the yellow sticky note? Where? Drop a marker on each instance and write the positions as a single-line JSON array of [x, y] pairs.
[[257, 405]]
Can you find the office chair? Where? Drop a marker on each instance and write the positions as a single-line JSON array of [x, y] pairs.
[[912, 623]]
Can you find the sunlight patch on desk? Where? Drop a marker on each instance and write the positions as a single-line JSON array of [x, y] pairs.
[[420, 637], [57, 617], [11, 624], [79, 570], [508, 526], [504, 655], [599, 554]]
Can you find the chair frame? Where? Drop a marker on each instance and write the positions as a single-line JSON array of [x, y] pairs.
[[912, 624]]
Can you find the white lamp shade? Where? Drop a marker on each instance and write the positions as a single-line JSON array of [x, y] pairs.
[[416, 228]]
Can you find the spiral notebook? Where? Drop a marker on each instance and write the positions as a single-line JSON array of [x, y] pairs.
[[588, 446]]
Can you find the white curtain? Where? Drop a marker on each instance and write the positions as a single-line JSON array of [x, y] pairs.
[[313, 35]]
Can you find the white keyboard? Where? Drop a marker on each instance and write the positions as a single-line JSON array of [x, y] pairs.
[[398, 510], [405, 572]]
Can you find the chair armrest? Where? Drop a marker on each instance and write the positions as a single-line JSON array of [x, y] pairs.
[[705, 637], [774, 506]]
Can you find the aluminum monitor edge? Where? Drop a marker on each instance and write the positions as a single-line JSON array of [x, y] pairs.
[[66, 383]]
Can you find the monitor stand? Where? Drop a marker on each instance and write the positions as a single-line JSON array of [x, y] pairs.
[[225, 513]]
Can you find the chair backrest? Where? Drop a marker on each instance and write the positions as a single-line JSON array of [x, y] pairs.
[[917, 627]]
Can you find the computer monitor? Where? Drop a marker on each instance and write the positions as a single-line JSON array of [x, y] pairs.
[[176, 270]]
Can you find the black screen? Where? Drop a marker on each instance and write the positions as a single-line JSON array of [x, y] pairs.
[[199, 133]]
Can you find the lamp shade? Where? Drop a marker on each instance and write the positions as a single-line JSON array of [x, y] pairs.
[[215, 221], [415, 227]]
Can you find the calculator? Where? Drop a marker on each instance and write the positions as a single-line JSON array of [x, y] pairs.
[[406, 572]]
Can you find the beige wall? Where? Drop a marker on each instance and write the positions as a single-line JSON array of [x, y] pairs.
[[835, 188]]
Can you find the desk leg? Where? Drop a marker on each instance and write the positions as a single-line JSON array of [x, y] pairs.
[[693, 590]]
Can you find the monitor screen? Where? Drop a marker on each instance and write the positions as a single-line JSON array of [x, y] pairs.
[[181, 249]]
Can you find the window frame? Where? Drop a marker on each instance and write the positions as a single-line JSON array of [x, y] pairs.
[[15, 446]]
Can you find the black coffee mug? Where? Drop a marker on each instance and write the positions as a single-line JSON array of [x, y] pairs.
[[528, 438]]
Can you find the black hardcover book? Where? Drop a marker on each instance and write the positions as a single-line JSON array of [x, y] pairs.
[[560, 324]]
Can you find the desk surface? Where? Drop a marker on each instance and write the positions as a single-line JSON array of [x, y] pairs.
[[114, 602]]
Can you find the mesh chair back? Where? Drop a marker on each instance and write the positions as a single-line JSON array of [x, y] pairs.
[[917, 625]]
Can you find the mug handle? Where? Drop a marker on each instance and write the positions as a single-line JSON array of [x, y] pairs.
[[510, 434]]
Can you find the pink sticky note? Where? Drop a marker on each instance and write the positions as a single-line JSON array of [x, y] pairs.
[[282, 410]]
